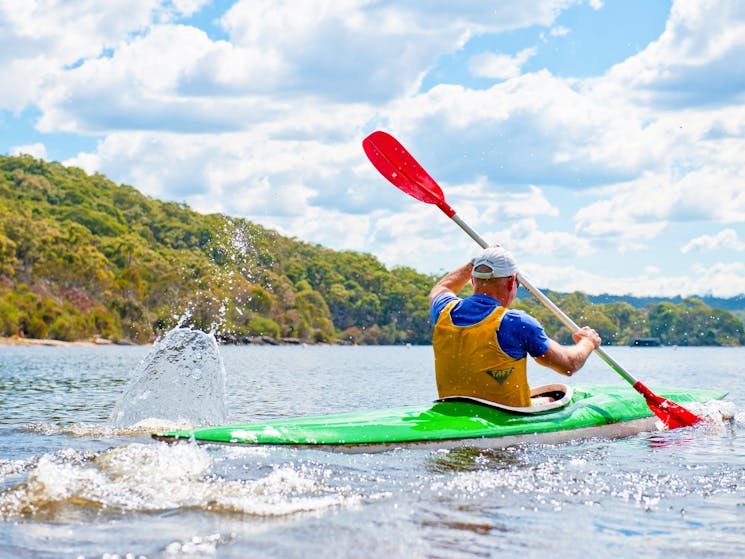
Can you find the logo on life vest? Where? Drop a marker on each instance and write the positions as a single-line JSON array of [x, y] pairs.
[[500, 375]]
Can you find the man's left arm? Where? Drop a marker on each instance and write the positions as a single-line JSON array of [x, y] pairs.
[[567, 360]]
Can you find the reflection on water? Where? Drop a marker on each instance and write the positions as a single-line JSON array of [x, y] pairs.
[[472, 459]]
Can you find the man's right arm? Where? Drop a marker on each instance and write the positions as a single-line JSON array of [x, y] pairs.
[[567, 360], [452, 282]]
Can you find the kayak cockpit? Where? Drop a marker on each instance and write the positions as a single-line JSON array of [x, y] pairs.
[[545, 398]]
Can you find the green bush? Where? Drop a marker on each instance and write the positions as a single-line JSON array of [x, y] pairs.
[[262, 326], [36, 328]]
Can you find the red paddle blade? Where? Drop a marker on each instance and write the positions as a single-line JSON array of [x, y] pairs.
[[396, 164], [672, 415]]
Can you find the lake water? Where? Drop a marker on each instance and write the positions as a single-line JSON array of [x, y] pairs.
[[71, 486]]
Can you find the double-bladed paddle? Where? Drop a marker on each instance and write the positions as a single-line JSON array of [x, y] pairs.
[[397, 165]]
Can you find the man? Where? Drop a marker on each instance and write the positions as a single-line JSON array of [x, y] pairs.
[[481, 347]]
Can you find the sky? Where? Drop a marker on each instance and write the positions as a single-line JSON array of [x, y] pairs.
[[600, 141]]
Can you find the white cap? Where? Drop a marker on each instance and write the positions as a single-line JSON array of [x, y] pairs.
[[494, 262]]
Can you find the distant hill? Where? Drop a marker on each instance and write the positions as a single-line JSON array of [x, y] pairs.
[[727, 304], [673, 321], [82, 257], [735, 305]]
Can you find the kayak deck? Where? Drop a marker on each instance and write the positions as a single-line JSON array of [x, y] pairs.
[[594, 411]]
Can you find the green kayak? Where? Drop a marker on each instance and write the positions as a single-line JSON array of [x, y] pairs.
[[578, 412]]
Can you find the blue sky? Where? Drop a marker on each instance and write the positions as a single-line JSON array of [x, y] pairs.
[[601, 141]]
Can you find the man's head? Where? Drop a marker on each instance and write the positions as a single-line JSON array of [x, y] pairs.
[[495, 274], [494, 262]]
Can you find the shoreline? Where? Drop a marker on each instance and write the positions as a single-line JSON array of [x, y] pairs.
[[18, 341]]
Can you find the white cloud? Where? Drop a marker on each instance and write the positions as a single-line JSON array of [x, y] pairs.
[[722, 279], [157, 75], [699, 60], [385, 51], [38, 150], [286, 21], [535, 128], [139, 88], [526, 240], [489, 203], [718, 280], [329, 227], [726, 239], [633, 213], [243, 173], [39, 40], [188, 7], [500, 66], [388, 45]]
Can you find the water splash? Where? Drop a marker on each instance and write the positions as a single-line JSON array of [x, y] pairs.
[[182, 379], [717, 416], [159, 477]]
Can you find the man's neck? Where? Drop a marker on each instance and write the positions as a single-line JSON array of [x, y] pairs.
[[497, 294]]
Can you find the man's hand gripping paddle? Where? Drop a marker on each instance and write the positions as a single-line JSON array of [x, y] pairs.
[[397, 165]]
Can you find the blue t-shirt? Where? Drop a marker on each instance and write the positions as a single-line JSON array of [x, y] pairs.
[[519, 333]]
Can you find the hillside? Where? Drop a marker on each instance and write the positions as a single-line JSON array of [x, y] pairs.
[[82, 257]]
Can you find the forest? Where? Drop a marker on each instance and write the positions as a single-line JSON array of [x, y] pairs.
[[82, 258]]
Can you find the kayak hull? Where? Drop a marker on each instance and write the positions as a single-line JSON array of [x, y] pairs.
[[594, 411]]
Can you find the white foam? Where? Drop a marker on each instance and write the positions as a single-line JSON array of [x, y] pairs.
[[156, 477], [716, 415], [243, 435], [196, 546]]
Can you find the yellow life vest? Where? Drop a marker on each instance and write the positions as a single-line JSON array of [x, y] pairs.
[[469, 361]]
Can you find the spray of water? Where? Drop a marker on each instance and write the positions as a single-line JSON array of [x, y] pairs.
[[161, 477], [181, 380], [223, 305]]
